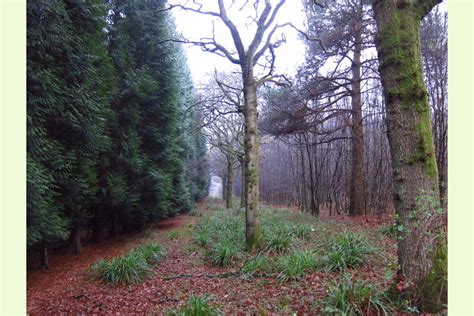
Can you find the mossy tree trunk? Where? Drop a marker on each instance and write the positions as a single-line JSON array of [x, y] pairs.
[[357, 195], [242, 193], [251, 144], [408, 121], [229, 184]]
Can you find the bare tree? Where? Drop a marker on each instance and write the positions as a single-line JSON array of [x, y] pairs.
[[261, 48]]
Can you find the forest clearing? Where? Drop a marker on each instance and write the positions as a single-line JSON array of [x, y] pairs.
[[189, 268], [233, 157]]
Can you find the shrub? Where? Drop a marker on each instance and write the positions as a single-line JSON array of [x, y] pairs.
[[197, 306], [131, 268], [294, 266], [359, 298], [258, 264], [348, 250]]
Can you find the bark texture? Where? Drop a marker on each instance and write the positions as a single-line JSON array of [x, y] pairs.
[[229, 184], [408, 121], [114, 224], [44, 256], [251, 143], [242, 194], [75, 240]]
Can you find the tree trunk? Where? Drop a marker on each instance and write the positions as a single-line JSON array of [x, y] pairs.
[[304, 200], [357, 198], [44, 255], [114, 224], [443, 181], [224, 187], [242, 188], [251, 141], [229, 184], [408, 120], [98, 225], [75, 240], [314, 203]]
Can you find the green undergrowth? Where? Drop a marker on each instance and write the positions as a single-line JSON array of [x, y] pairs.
[[259, 264], [348, 250], [296, 265], [349, 297], [131, 268], [293, 244]]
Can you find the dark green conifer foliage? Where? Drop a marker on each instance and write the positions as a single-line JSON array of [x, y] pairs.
[[46, 43], [69, 85], [112, 135], [156, 92]]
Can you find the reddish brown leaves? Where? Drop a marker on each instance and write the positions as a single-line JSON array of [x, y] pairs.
[[65, 288]]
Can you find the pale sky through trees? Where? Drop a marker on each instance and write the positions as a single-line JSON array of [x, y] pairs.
[[289, 55], [194, 26]]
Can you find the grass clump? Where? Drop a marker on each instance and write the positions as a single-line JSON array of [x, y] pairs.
[[258, 264], [356, 298], [278, 242], [201, 239], [282, 233], [348, 250], [224, 254], [196, 306], [295, 265], [131, 268]]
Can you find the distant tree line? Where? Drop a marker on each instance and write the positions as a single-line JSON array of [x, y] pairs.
[[113, 138], [325, 144]]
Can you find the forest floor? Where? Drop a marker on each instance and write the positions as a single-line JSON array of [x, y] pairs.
[[185, 271]]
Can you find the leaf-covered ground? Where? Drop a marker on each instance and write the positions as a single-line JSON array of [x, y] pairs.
[[185, 271]]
